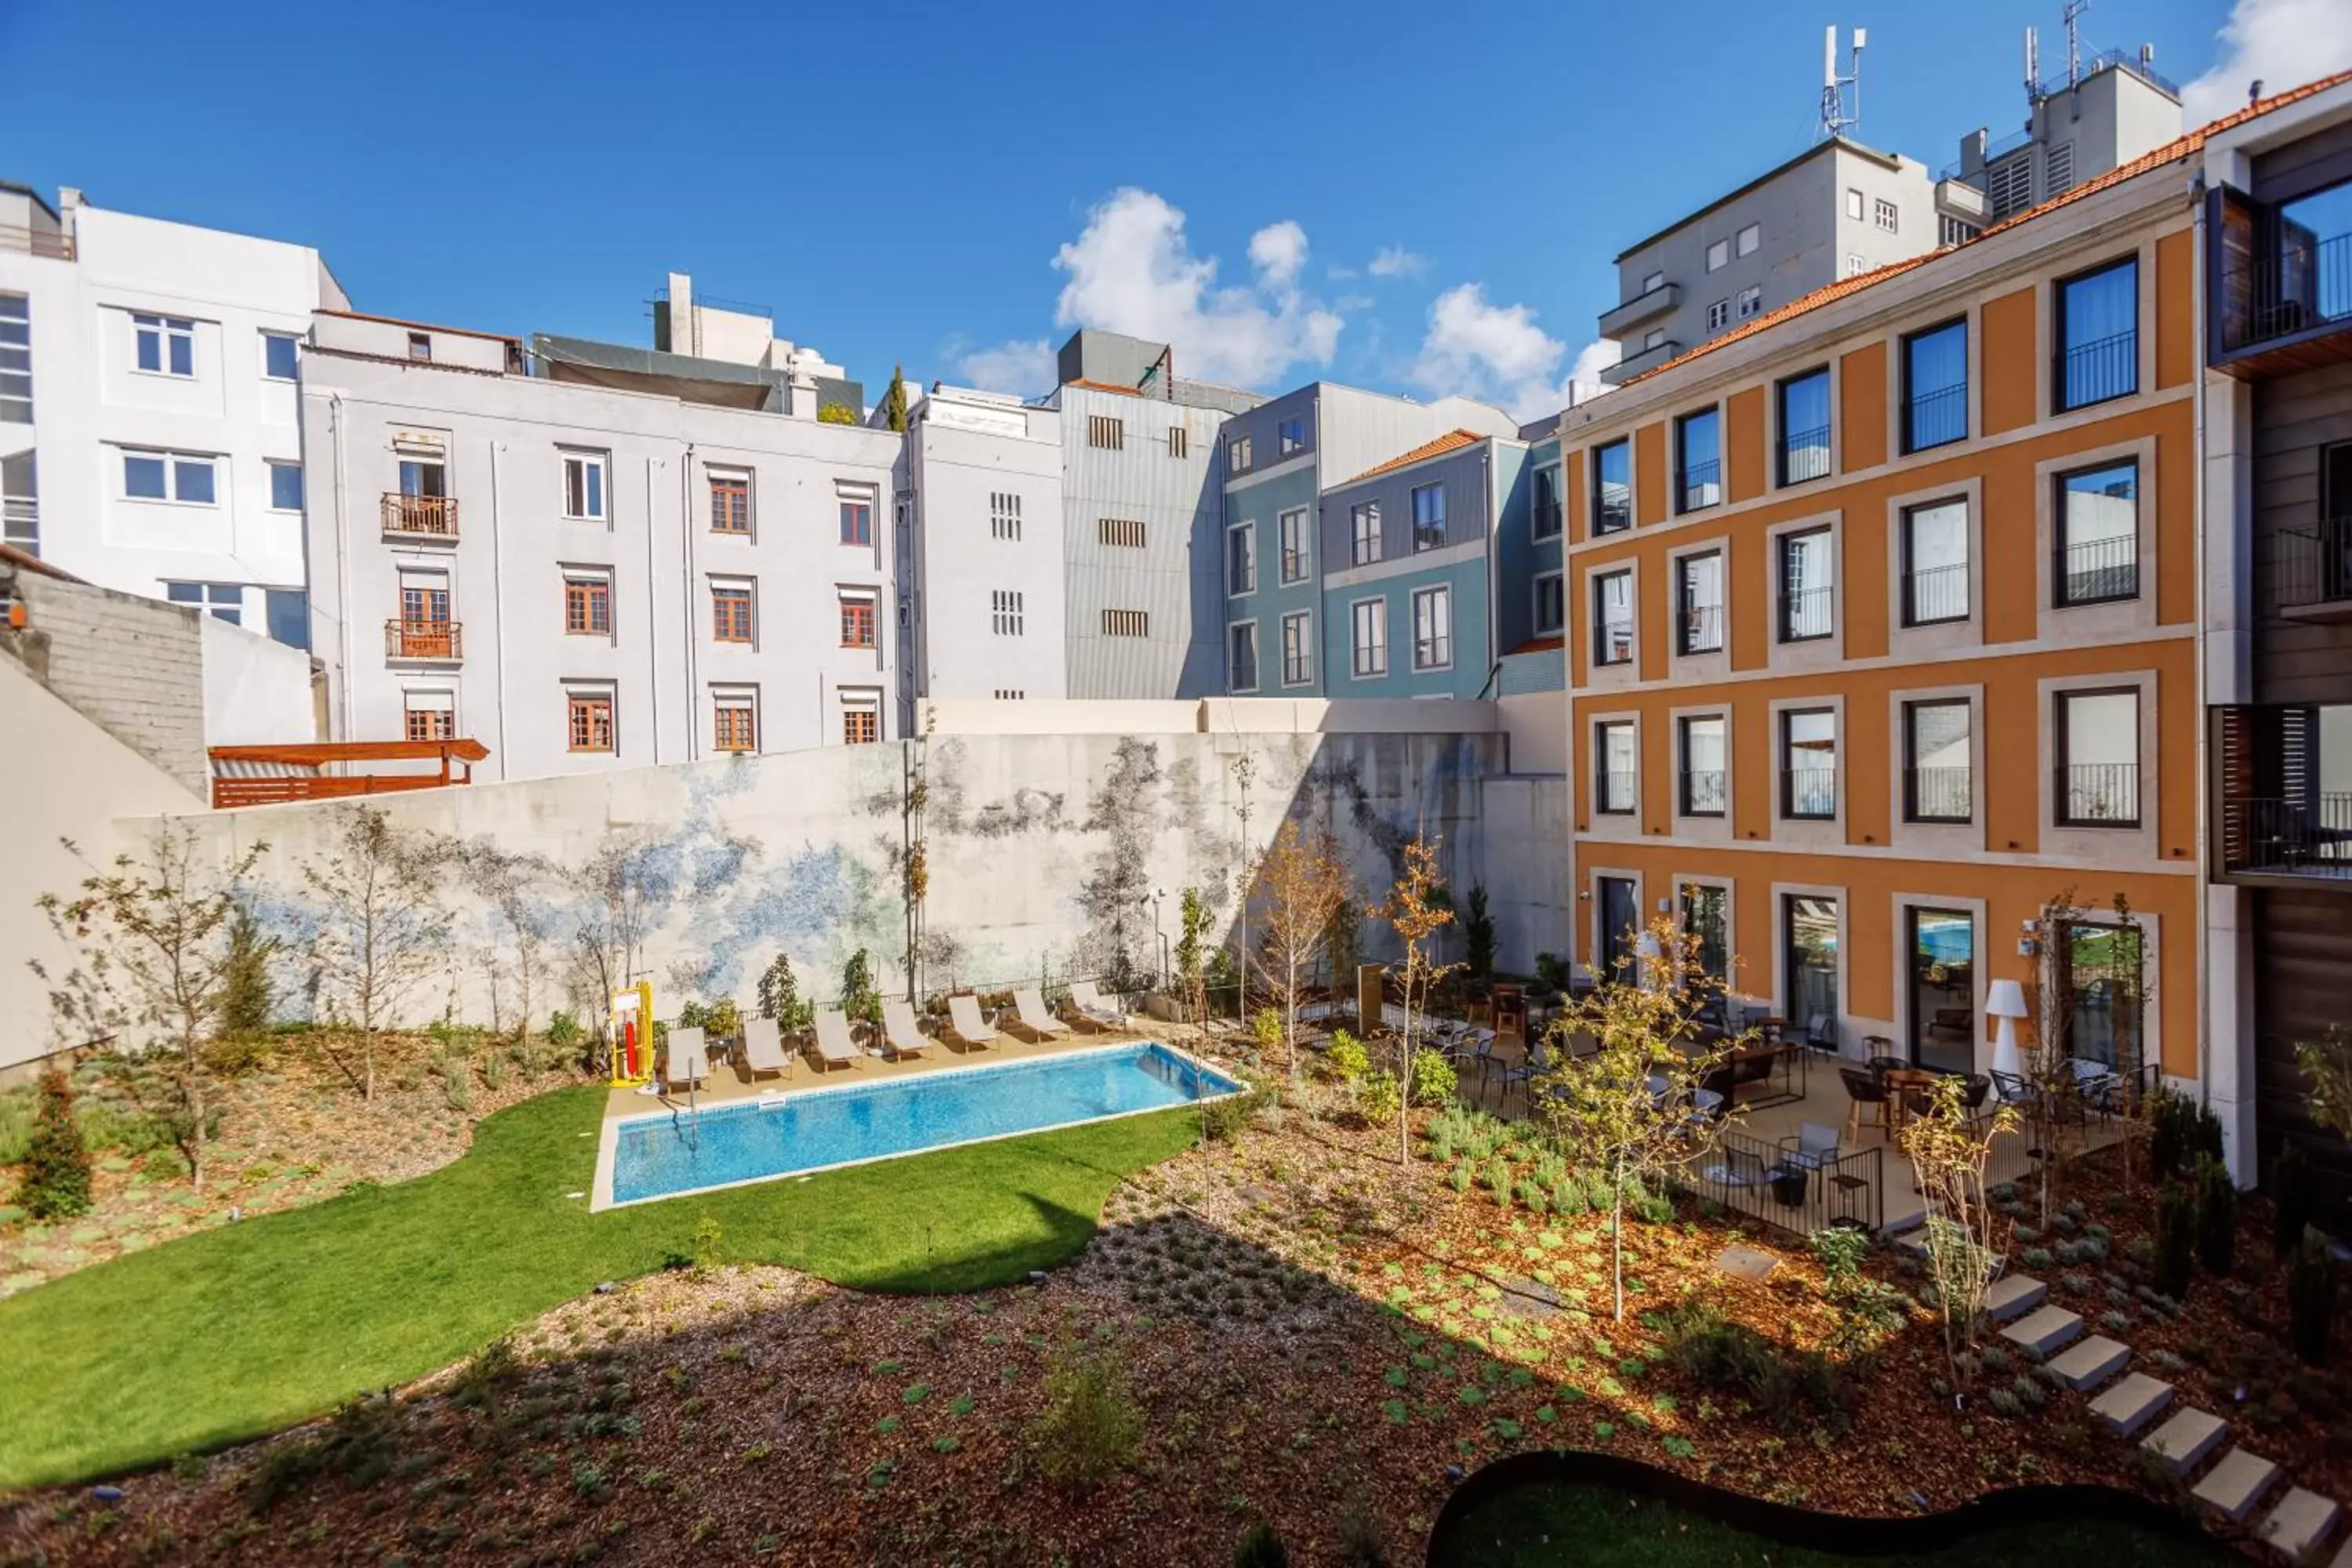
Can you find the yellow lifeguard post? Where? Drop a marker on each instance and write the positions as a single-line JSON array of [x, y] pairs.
[[632, 1025]]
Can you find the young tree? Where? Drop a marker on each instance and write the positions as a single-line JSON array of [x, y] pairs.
[[1627, 1105], [1304, 881], [894, 401], [54, 1183], [245, 994], [1479, 936], [1416, 910], [154, 957], [2055, 1123], [1949, 1152], [1243, 767], [383, 926], [2326, 1066], [1192, 920]]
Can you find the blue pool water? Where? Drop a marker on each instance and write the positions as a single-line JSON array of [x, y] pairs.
[[743, 1141]]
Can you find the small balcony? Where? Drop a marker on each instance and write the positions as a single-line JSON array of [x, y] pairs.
[[1939, 793], [424, 642], [419, 517], [1699, 630], [2283, 292], [1641, 308], [2281, 801], [1703, 791], [1957, 198], [2097, 794], [1636, 364], [2305, 574]]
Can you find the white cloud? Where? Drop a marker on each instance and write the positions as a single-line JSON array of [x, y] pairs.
[[1498, 354], [1022, 367], [1277, 251], [2284, 42], [1338, 274], [1396, 261]]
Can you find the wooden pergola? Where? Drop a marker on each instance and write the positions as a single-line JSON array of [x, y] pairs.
[[271, 775]]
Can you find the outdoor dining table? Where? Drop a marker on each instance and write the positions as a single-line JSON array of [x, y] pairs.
[[1900, 1082]]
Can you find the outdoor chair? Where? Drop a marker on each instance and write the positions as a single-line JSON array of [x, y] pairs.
[[1881, 1065], [689, 1062], [2014, 1089], [1534, 1065], [1973, 1090], [966, 1024], [763, 1047], [1737, 1169], [1812, 1147], [1822, 1032], [1090, 1008], [902, 1036], [834, 1048], [1863, 1087], [1031, 1017]]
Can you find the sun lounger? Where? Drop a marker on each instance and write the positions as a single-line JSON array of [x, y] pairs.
[[1091, 1008], [834, 1048], [902, 1033], [965, 1023], [764, 1047], [689, 1062], [1030, 1017]]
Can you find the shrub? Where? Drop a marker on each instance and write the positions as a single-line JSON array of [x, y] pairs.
[[2311, 1299], [724, 1019], [1434, 1079], [693, 1015], [1090, 1426], [2217, 1216], [244, 994], [1705, 1345], [1498, 1181], [1378, 1096], [1345, 1057], [2176, 1240], [1568, 1196], [1462, 1176], [1222, 1120], [780, 996], [1261, 1547], [1551, 971], [1532, 1196], [858, 997], [709, 1240], [1840, 1250], [837, 414], [15, 1126], [56, 1180], [2292, 1193], [1266, 1030], [1362, 1543], [563, 1030]]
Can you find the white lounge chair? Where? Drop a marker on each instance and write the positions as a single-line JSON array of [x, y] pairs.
[[764, 1047], [965, 1023], [689, 1062], [1094, 1009], [1031, 1016], [834, 1048], [900, 1032]]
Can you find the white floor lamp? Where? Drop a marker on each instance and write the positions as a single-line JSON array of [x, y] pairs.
[[2006, 1001]]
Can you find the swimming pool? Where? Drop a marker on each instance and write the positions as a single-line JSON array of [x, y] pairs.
[[665, 1153]]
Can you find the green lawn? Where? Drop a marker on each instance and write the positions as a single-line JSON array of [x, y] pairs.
[[1552, 1525], [246, 1328]]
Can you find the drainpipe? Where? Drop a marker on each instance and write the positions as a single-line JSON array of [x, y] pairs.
[[499, 602], [343, 559], [652, 644], [693, 662], [2204, 848]]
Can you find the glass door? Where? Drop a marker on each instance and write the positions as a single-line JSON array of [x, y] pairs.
[[1809, 925], [1620, 922], [2102, 976], [1944, 1028], [1706, 908]]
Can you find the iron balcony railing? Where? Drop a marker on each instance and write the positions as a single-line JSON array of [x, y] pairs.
[[1934, 416], [2306, 566], [1703, 791], [1702, 484], [2309, 836], [432, 517], [2098, 370], [1702, 628], [1938, 795], [1805, 613], [1786, 1188], [439, 641], [2098, 794], [1612, 509], [2302, 285], [1545, 518], [2093, 571], [1933, 593], [1804, 455], [1616, 643], [1616, 792], [1809, 793]]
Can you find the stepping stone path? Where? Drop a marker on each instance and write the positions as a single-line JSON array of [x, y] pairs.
[[2298, 1529]]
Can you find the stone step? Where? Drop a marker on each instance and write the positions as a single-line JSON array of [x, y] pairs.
[[2343, 1558], [2298, 1529], [2183, 1442], [2236, 1485], [2013, 1296], [2131, 1404], [2087, 1364], [2045, 1329]]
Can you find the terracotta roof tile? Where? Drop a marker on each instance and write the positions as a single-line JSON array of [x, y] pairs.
[[2194, 141], [1452, 441]]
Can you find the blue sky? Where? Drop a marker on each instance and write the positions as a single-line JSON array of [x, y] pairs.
[[896, 182]]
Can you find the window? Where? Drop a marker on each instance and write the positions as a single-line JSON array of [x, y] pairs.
[[1364, 529], [1289, 437], [429, 715], [1938, 771], [1370, 636], [1951, 230], [1004, 515], [1612, 617], [1428, 517], [1290, 529], [1004, 613], [167, 344], [1618, 904], [420, 347], [1615, 776], [856, 620], [1718, 315], [20, 501], [589, 720], [1941, 946], [1751, 301], [1544, 512], [1701, 785], [1808, 585], [1241, 559], [1808, 763], [856, 506], [424, 615], [1854, 265], [169, 476], [15, 360], [1936, 386], [1804, 410], [1699, 603], [1809, 963], [1655, 338], [424, 479], [2098, 535], [2095, 967], [1551, 603], [2097, 333], [1882, 215], [1297, 649], [1126, 623], [1718, 255], [1935, 563], [1653, 282], [1122, 532], [1240, 656], [730, 612], [734, 720], [290, 615], [1010, 694], [280, 356], [1237, 454], [1180, 441], [1853, 201], [583, 486], [286, 486], [730, 502], [225, 600], [1433, 629], [1613, 487], [1749, 239], [861, 718], [1107, 431], [2098, 758], [1706, 917], [587, 605], [1698, 460]]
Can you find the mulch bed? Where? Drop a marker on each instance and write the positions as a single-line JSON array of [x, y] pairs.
[[1313, 1336]]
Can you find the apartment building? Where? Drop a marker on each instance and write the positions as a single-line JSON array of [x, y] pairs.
[[1531, 609], [2080, 123], [149, 421], [1882, 637], [2277, 231], [591, 568]]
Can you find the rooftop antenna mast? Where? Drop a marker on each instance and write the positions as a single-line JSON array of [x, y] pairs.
[[1840, 95], [2074, 9], [2033, 72]]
